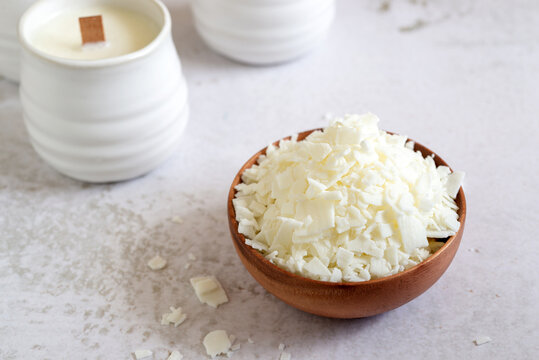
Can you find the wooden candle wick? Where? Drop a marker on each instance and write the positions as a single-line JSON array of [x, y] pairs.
[[91, 28]]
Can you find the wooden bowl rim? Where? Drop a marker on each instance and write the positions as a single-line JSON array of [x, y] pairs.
[[240, 238]]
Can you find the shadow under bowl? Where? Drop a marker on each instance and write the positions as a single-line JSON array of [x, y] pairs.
[[345, 300]]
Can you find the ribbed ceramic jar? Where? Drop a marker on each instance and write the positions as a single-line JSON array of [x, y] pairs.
[[10, 12], [104, 120], [263, 32]]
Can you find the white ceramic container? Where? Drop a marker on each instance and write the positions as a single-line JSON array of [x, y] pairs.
[[104, 120], [10, 12], [263, 32]]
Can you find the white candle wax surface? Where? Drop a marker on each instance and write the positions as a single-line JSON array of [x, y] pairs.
[[125, 32]]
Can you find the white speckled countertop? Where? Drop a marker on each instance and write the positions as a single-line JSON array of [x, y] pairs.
[[459, 76]]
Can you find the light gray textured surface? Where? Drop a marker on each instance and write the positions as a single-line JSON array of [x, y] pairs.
[[460, 77]]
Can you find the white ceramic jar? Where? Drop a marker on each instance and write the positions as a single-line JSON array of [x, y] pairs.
[[10, 12], [104, 120], [263, 32]]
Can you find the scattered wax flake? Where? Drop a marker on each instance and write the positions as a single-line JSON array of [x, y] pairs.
[[175, 355], [209, 290], [157, 263], [176, 317], [216, 343], [142, 354], [191, 257], [285, 356], [480, 340], [177, 220]]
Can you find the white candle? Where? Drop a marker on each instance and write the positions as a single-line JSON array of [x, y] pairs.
[[125, 31], [102, 120]]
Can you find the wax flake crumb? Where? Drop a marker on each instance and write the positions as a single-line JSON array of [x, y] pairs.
[[217, 342], [281, 346], [175, 355], [235, 347], [349, 203], [191, 257], [209, 290], [177, 220], [142, 354], [250, 341], [285, 356], [232, 338], [175, 316], [187, 266], [480, 340], [157, 263]]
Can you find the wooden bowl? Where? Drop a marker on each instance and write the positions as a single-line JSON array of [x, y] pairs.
[[345, 300]]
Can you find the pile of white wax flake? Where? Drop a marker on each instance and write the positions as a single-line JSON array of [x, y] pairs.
[[349, 203]]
